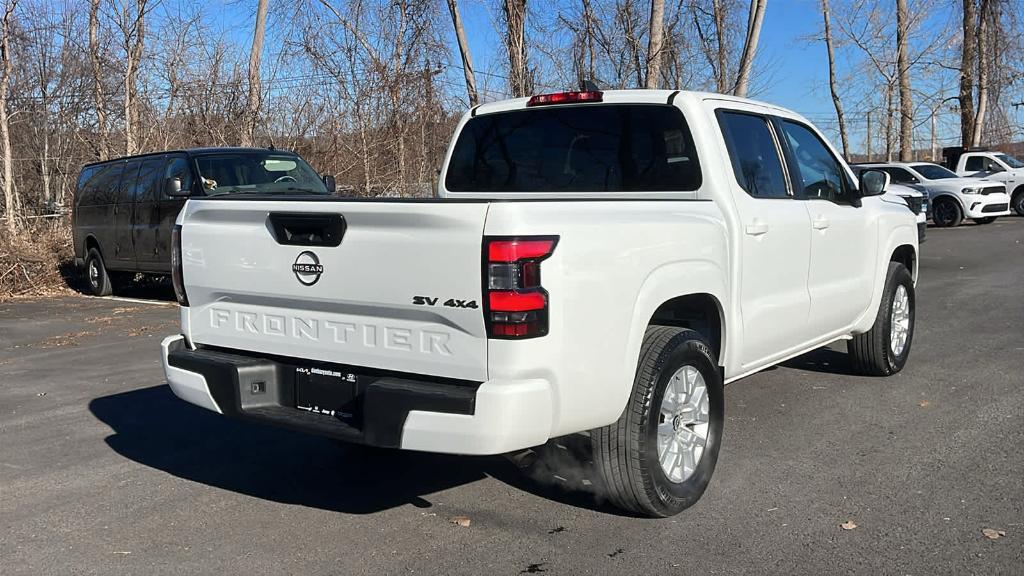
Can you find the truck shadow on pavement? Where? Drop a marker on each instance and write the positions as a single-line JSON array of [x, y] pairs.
[[154, 428]]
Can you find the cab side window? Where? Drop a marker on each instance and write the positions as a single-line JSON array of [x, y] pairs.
[[177, 167], [754, 154], [975, 164], [819, 174]]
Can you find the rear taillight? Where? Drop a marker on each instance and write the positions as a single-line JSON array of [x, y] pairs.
[[516, 303], [176, 269]]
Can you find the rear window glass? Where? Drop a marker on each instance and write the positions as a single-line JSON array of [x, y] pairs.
[[589, 148]]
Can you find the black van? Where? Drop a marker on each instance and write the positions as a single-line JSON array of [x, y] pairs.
[[125, 208]]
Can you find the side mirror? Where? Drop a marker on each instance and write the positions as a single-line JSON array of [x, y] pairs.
[[873, 183], [330, 183], [172, 188]]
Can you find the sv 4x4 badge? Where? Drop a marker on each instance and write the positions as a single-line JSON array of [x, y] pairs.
[[451, 302]]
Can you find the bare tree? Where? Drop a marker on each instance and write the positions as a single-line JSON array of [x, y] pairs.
[[132, 25], [903, 75], [252, 111], [10, 201], [99, 100], [836, 100], [757, 8], [968, 63], [654, 41], [984, 15], [515, 42], [467, 61]]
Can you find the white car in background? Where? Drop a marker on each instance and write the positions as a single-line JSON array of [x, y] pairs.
[[953, 198], [991, 165]]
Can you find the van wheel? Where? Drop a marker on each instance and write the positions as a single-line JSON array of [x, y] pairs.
[[883, 350], [96, 275], [985, 220], [657, 459], [946, 213], [1017, 202]]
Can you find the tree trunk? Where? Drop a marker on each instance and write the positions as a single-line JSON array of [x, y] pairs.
[[869, 137], [903, 73], [983, 67], [889, 109], [968, 63], [254, 103], [134, 43], [97, 78], [588, 44], [654, 41], [10, 202], [515, 42], [722, 69], [836, 100], [757, 8], [467, 61]]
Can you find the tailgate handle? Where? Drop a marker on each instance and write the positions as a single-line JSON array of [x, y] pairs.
[[292, 229]]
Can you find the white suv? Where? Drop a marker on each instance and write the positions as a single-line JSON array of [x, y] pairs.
[[953, 198]]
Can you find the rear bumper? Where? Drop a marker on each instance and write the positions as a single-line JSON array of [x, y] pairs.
[[492, 417]]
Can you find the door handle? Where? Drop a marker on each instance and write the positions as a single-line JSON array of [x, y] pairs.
[[756, 228], [820, 223]]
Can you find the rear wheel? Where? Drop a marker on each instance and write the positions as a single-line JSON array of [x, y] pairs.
[[1017, 202], [985, 220], [96, 275], [883, 350], [946, 213], [657, 459]]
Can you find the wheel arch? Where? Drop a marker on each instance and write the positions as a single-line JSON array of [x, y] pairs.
[[700, 311], [959, 201]]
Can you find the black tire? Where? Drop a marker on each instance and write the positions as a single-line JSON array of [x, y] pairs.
[[96, 276], [985, 220], [872, 353], [946, 213], [626, 452], [1017, 202]]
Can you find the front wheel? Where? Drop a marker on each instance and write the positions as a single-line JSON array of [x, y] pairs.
[[946, 213], [883, 350], [96, 274], [985, 220], [1017, 202], [657, 459]]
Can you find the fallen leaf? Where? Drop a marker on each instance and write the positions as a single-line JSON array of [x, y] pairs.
[[923, 403], [122, 552], [993, 534], [848, 525], [463, 521]]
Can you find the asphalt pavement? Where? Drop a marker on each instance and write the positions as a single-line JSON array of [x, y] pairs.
[[104, 471]]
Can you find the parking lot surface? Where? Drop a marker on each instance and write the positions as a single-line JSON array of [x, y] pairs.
[[104, 471]]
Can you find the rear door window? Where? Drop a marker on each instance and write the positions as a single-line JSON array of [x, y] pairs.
[[582, 148], [108, 184], [975, 164], [84, 189], [754, 154]]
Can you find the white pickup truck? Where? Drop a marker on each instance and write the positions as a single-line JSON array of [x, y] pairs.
[[599, 262], [990, 165]]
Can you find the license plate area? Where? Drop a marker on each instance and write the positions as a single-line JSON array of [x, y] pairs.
[[328, 391]]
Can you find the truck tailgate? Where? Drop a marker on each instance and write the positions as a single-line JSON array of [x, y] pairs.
[[401, 291]]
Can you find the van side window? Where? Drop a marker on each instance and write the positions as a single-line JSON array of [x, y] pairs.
[[821, 175], [84, 190], [754, 154], [108, 184], [149, 176], [177, 167], [129, 181]]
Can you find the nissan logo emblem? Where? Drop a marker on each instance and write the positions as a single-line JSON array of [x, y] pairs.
[[307, 268]]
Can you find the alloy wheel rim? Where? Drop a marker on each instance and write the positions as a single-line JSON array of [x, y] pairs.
[[94, 274], [683, 424], [899, 332]]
